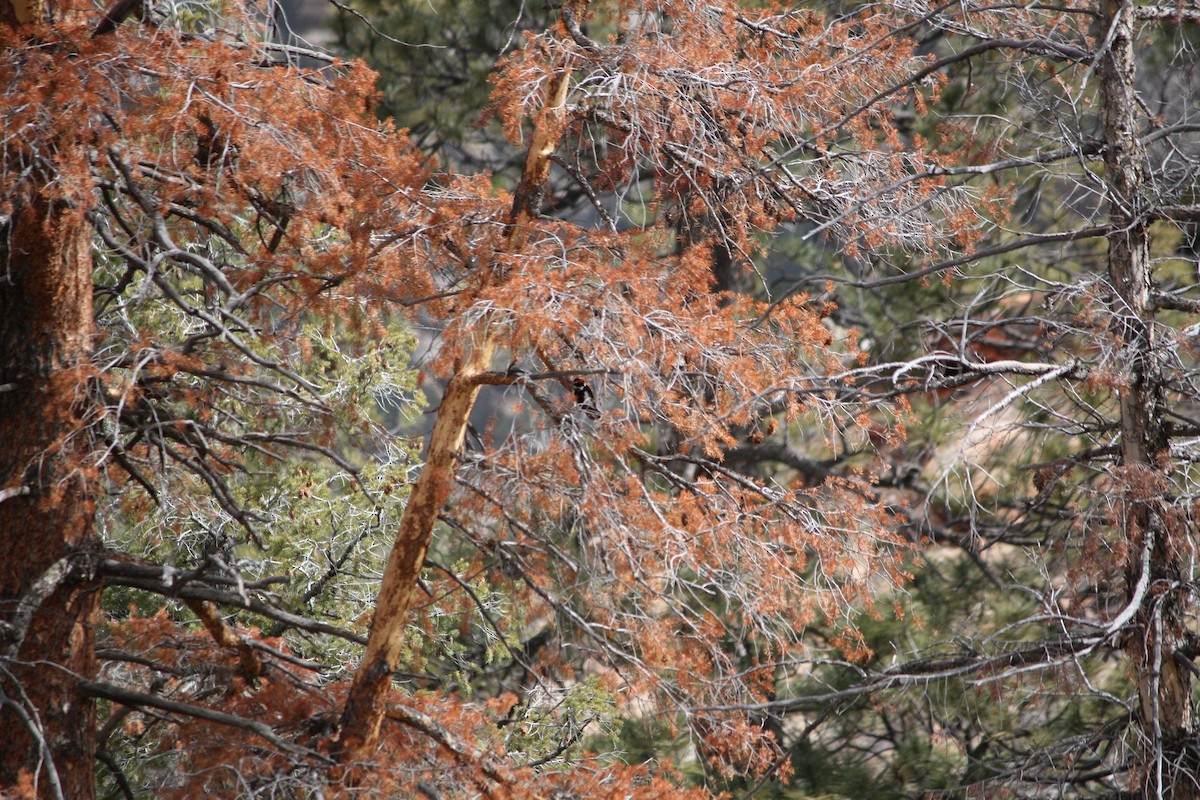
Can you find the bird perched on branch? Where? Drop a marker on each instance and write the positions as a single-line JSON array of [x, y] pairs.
[[585, 398]]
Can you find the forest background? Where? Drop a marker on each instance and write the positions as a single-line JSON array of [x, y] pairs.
[[608, 399]]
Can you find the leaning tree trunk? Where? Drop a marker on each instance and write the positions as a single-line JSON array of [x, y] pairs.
[[1156, 538], [47, 602], [365, 706]]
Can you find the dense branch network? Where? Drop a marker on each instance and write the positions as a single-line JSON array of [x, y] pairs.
[[701, 488]]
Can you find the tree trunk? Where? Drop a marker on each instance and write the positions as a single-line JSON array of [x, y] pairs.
[[366, 704], [1153, 573], [47, 602]]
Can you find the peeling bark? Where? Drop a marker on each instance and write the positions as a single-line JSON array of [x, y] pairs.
[[366, 705], [1163, 680]]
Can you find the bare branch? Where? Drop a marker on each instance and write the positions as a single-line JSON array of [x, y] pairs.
[[169, 582], [466, 751], [12, 630], [130, 698], [14, 491]]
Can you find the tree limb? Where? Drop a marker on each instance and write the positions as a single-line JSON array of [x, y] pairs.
[[127, 697], [165, 581]]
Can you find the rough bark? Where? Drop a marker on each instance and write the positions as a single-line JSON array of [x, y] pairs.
[[1154, 574], [366, 704], [47, 601]]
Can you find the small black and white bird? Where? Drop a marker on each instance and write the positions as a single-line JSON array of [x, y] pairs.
[[585, 398]]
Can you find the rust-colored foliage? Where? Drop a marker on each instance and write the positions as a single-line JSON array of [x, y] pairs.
[[250, 195], [632, 526]]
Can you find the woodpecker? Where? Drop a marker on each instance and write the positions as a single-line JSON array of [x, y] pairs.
[[585, 398]]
